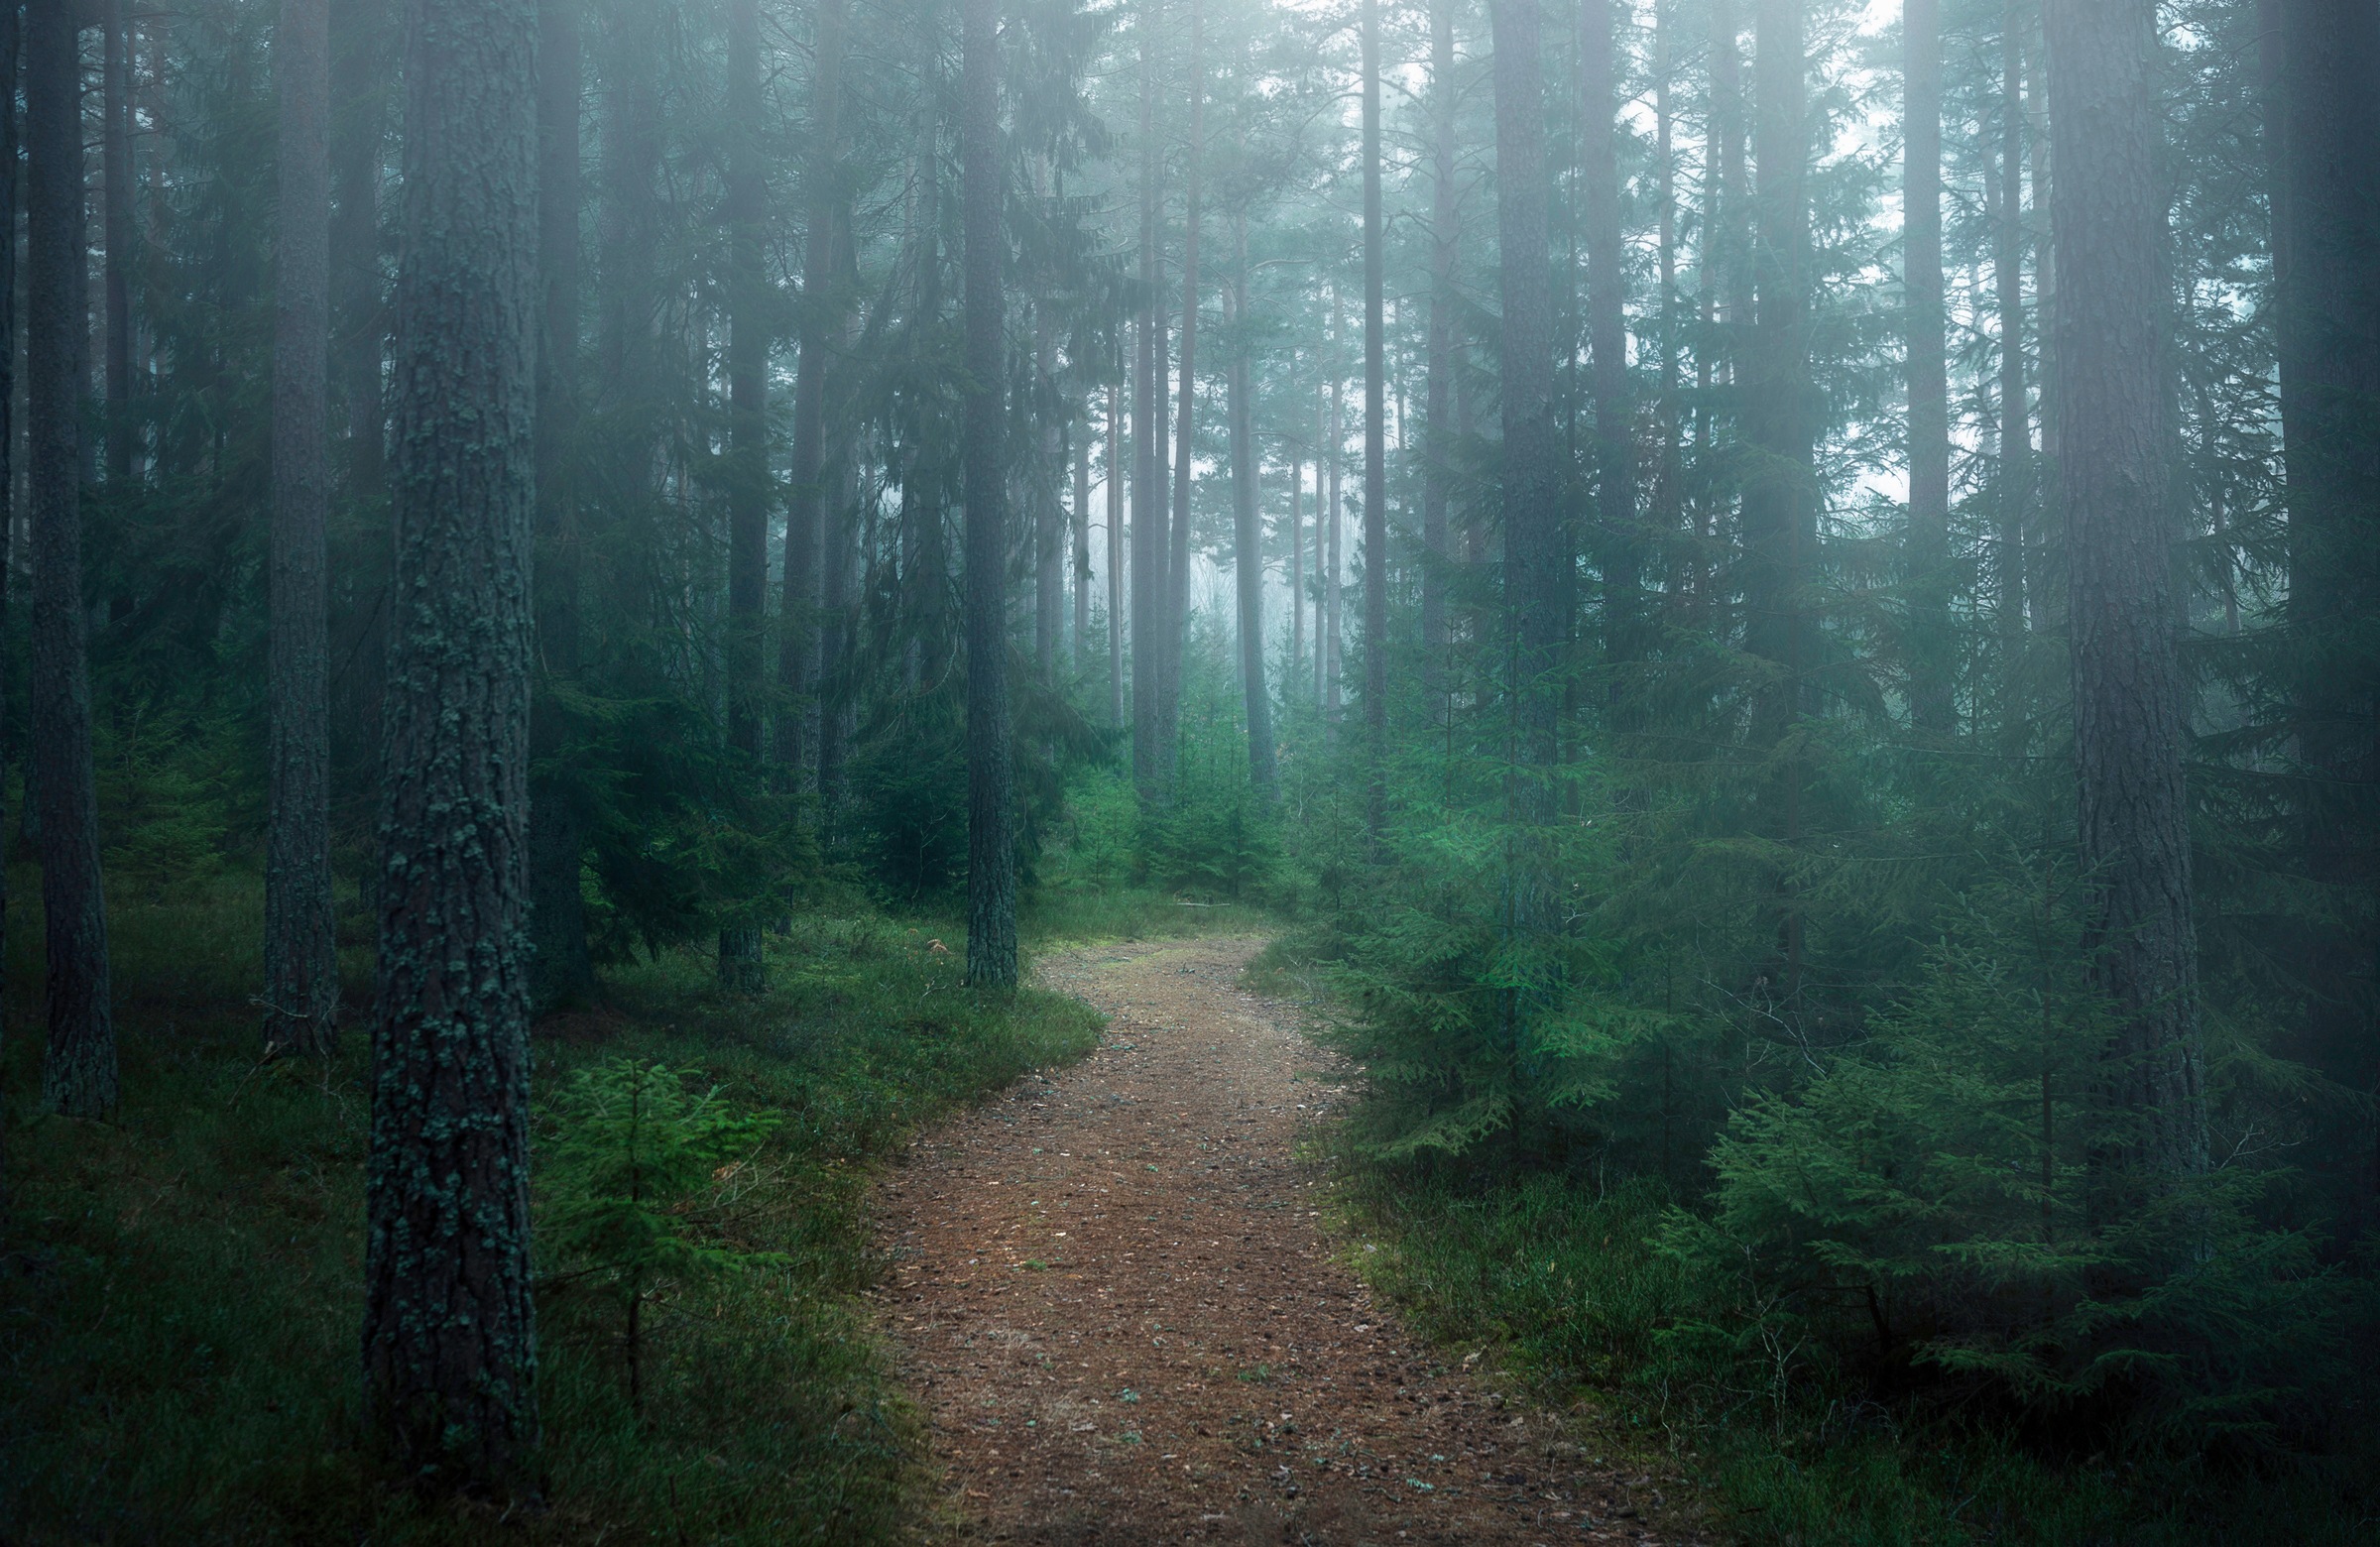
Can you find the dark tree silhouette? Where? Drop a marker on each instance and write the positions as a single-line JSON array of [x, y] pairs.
[[2129, 715], [301, 955], [78, 1075], [990, 829], [1928, 558]]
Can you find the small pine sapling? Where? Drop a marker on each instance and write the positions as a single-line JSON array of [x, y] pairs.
[[634, 1177]]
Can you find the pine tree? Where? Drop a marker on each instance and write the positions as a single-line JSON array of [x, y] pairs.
[[991, 837], [78, 1075], [449, 1347], [302, 957], [2129, 698]]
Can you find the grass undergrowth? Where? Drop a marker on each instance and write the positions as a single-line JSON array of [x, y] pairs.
[[1560, 1275], [181, 1292]]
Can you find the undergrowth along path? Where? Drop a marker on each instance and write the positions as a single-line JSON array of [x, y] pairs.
[[1115, 1304]]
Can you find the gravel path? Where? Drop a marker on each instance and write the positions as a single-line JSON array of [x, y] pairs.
[[1115, 1304]]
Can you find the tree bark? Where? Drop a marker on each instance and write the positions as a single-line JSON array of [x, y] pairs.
[[302, 956], [359, 117], [1118, 455], [1536, 547], [1376, 442], [741, 966], [821, 323], [1617, 536], [449, 1345], [990, 844], [115, 159], [2008, 283], [1049, 516], [1248, 539], [2130, 705], [1437, 442], [1932, 659], [1082, 546], [1152, 773], [563, 970], [1297, 578], [1333, 588], [11, 41], [1177, 560], [1779, 500], [79, 1074]]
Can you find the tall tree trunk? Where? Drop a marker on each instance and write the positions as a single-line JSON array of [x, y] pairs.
[[450, 1347], [1667, 517], [1152, 772], [1082, 546], [78, 1075], [1780, 497], [1118, 455], [562, 971], [1376, 443], [1930, 652], [359, 128], [1049, 517], [115, 162], [2008, 282], [1537, 554], [1618, 536], [1177, 560], [2130, 705], [741, 966], [1437, 442], [825, 236], [1297, 578], [10, 38], [1334, 587], [1778, 502], [990, 843], [301, 955], [1248, 536]]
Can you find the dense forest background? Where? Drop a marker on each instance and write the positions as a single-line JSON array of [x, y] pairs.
[[1777, 597]]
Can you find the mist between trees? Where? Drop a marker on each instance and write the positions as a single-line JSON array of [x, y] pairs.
[[1781, 597]]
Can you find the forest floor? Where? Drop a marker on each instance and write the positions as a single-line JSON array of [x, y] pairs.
[[1116, 1303]]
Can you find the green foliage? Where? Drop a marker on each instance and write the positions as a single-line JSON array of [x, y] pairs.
[[636, 1171], [179, 1298]]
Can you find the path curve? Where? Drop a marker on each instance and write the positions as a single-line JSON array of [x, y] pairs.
[[1115, 1305]]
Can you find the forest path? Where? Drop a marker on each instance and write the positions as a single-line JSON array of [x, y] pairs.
[[1116, 1307]]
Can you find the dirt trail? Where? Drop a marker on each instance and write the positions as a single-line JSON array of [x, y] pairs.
[[1114, 1303]]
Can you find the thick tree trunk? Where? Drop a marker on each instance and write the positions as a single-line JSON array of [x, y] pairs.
[[1247, 540], [742, 967], [359, 126], [1153, 772], [302, 956], [990, 843], [1333, 588], [1376, 442], [1618, 537], [78, 1075], [1438, 443], [563, 972], [2130, 703], [1931, 652], [450, 1338]]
